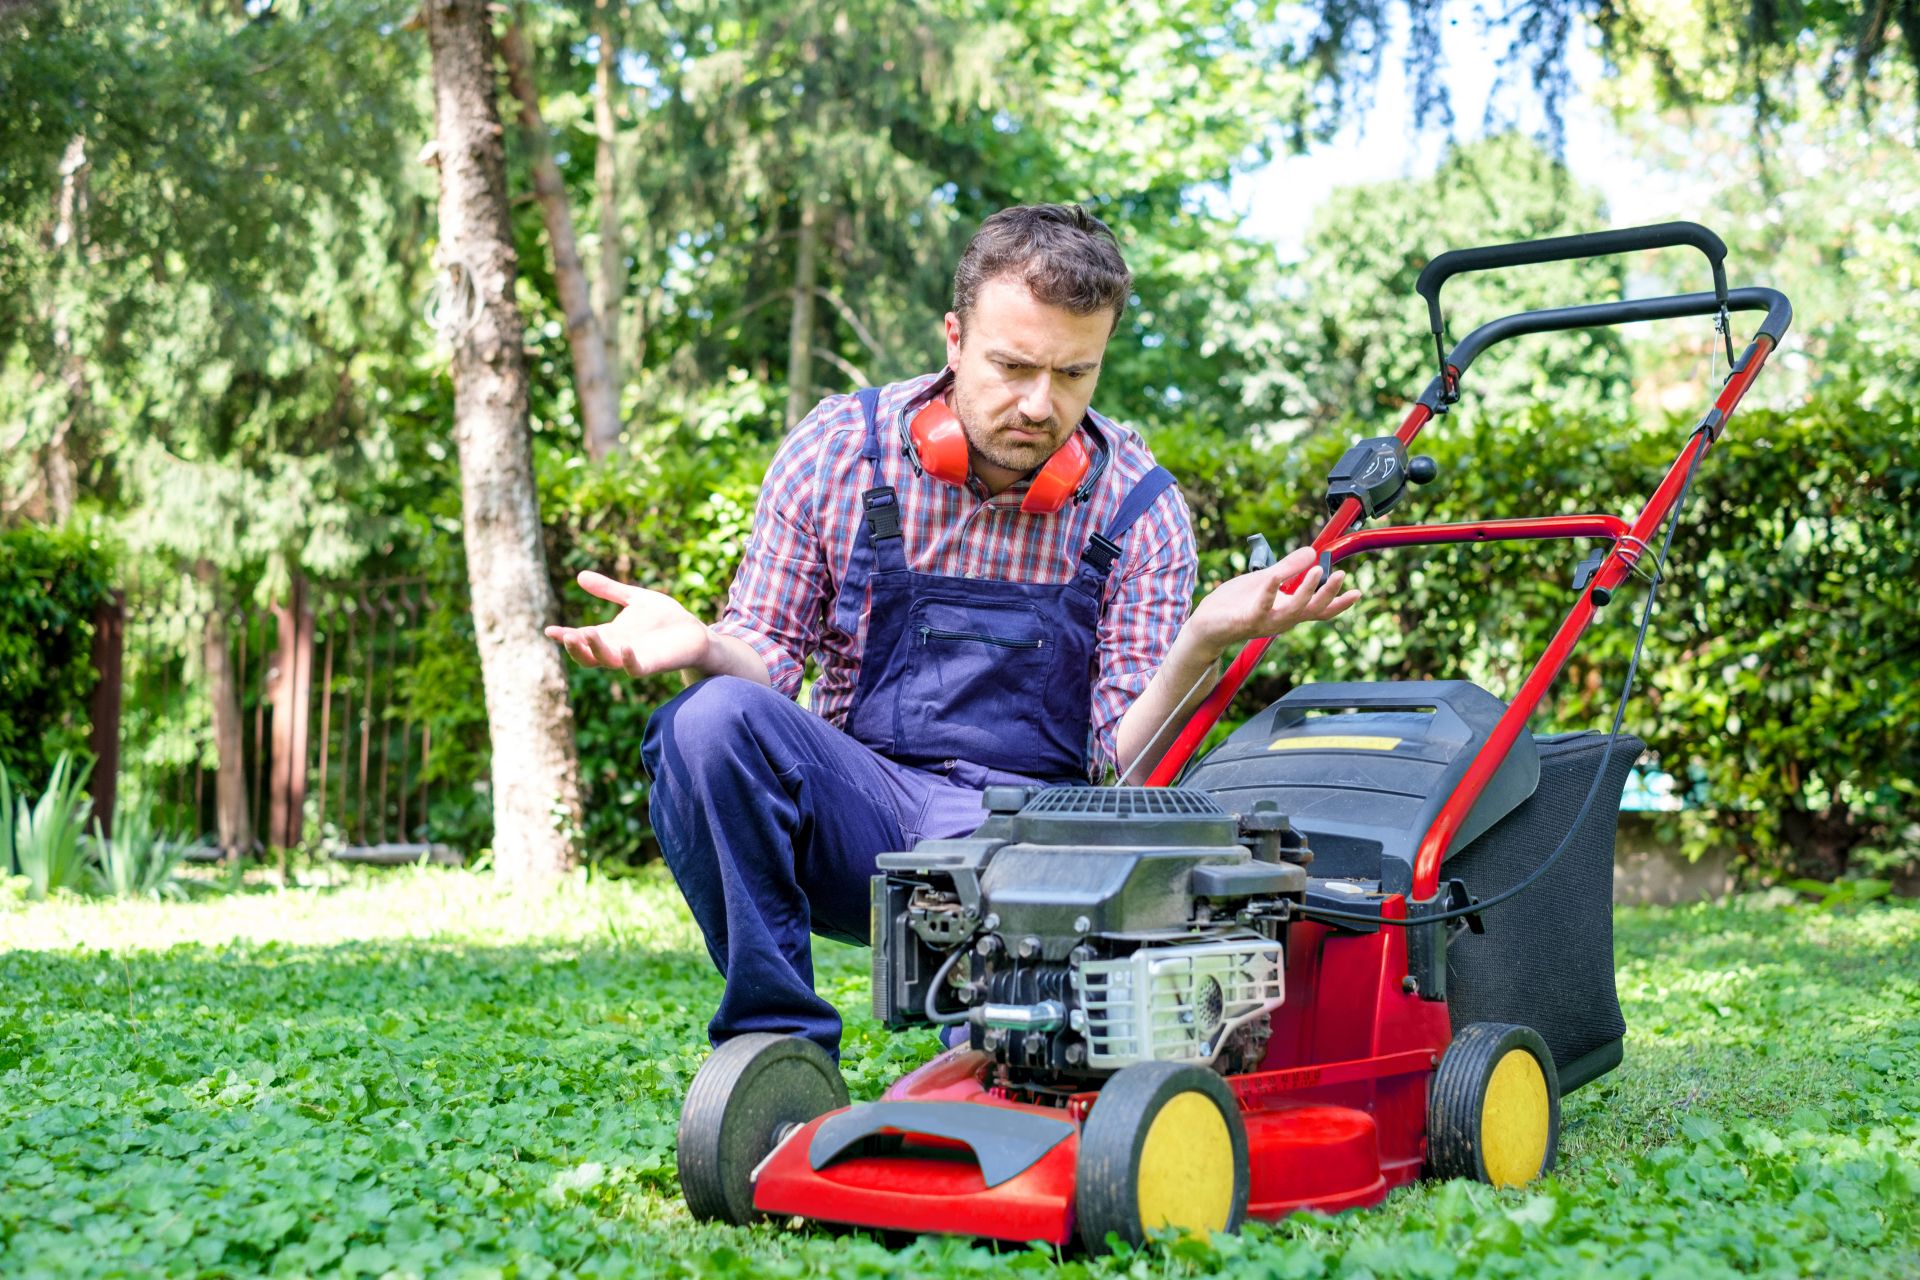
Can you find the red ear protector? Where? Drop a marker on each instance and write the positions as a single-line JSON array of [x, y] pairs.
[[936, 445]]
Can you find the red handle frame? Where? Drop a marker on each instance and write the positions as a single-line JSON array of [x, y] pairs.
[[1629, 541]]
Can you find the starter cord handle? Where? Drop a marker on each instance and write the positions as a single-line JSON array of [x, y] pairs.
[[1596, 244]]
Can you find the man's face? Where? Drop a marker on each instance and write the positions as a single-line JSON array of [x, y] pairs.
[[1024, 373]]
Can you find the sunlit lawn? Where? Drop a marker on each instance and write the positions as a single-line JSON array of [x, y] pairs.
[[415, 1075]]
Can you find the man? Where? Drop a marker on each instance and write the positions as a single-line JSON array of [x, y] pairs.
[[995, 582]]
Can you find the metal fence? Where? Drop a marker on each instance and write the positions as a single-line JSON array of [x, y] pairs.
[[326, 751], [369, 772]]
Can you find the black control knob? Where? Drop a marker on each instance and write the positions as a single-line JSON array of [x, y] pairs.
[[1422, 469]]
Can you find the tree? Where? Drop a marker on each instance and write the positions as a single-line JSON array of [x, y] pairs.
[[1753, 53], [1702, 53], [188, 200], [813, 170], [157, 151], [806, 198], [1347, 336], [595, 388], [536, 784], [606, 182], [1826, 214]]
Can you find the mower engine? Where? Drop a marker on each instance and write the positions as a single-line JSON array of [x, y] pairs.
[[1083, 929]]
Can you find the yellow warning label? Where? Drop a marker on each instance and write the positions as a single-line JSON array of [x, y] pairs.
[[1334, 742]]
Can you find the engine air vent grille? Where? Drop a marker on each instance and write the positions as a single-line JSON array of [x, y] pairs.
[[1129, 817], [1124, 802], [1176, 1004]]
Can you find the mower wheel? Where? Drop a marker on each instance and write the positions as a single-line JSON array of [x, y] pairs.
[[743, 1100], [1494, 1109], [1164, 1146]]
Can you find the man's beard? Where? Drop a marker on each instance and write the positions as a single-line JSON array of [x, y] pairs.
[[992, 442]]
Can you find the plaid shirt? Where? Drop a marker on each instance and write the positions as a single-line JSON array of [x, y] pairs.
[[808, 515]]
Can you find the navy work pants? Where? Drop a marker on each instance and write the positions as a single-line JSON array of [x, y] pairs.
[[770, 819]]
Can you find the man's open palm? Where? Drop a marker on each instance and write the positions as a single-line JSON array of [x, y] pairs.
[[651, 633], [1254, 605]]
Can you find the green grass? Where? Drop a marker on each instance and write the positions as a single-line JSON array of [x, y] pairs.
[[415, 1075]]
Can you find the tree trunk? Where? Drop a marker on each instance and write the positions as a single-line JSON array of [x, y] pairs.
[[593, 384], [800, 396], [648, 287], [56, 462], [290, 691], [232, 823], [103, 736], [606, 179], [536, 775]]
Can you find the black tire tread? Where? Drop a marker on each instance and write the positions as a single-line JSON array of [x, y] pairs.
[[1105, 1193], [1459, 1088], [715, 1158]]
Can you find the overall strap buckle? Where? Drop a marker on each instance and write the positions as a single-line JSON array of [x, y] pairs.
[[882, 508], [1101, 552]]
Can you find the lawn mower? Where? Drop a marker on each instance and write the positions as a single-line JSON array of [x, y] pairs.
[[1301, 977]]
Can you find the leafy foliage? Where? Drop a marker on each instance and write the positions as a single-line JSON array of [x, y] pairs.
[[140, 859], [423, 1076], [1838, 895], [683, 516], [42, 840], [672, 515], [1751, 51], [1780, 680], [900, 127], [242, 237], [1745, 52], [230, 335], [51, 584], [1346, 334], [1825, 213], [1780, 669]]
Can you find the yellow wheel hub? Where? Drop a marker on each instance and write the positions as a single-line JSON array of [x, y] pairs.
[[1186, 1177], [1515, 1120]]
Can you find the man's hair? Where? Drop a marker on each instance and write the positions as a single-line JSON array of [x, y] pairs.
[[1065, 255]]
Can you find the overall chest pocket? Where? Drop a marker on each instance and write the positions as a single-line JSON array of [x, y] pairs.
[[977, 677], [958, 630]]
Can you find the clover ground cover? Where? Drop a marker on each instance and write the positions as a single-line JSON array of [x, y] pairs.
[[418, 1075]]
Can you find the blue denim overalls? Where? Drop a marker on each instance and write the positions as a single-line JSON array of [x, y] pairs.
[[771, 818]]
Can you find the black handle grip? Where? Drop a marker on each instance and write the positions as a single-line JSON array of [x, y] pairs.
[[1598, 314], [1597, 244]]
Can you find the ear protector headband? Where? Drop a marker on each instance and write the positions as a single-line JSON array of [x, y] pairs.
[[936, 444]]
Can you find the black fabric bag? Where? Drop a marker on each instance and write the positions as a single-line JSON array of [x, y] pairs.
[[1546, 959]]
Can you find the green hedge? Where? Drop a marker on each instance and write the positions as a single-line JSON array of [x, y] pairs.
[[1781, 677], [673, 518], [51, 583], [1782, 670]]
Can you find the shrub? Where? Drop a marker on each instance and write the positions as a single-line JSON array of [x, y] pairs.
[[42, 841], [672, 515], [52, 581], [675, 519], [1781, 673], [139, 859], [1781, 677]]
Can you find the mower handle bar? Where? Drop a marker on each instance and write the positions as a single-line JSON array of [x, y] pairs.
[[1597, 244], [1598, 314]]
